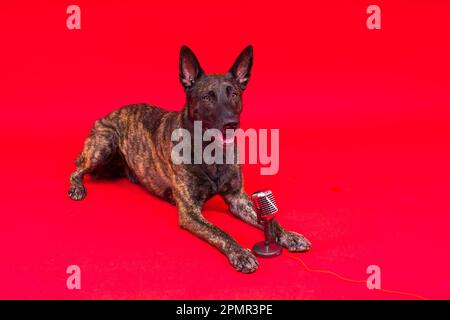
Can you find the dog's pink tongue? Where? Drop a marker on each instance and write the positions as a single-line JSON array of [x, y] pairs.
[[226, 141]]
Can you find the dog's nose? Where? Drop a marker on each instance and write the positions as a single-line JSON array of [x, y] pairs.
[[233, 125]]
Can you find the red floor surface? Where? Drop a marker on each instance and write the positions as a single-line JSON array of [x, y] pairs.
[[364, 120]]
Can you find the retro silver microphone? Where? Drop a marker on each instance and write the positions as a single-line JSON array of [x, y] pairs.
[[266, 208]]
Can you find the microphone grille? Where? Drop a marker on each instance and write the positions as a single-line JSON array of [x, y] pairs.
[[264, 202]]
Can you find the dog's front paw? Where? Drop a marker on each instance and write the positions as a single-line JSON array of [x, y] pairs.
[[77, 192], [294, 241], [243, 260]]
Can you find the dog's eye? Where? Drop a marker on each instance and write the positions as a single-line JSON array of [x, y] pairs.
[[232, 94], [207, 97]]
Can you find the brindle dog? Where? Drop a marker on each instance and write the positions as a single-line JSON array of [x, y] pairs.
[[135, 141]]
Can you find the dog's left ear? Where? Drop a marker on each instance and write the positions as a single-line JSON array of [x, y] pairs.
[[241, 68], [190, 70]]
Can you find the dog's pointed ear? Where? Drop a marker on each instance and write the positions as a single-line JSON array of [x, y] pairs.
[[242, 67], [190, 70]]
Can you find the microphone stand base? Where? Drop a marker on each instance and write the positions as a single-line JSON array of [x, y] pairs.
[[267, 251]]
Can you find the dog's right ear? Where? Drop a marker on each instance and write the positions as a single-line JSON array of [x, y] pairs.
[[242, 67], [190, 70]]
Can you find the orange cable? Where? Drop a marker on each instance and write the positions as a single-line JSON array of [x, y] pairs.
[[403, 293], [307, 268]]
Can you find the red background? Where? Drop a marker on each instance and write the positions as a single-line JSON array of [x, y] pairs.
[[364, 125]]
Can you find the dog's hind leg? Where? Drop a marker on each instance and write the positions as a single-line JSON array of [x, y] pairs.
[[241, 206], [99, 147], [130, 175]]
